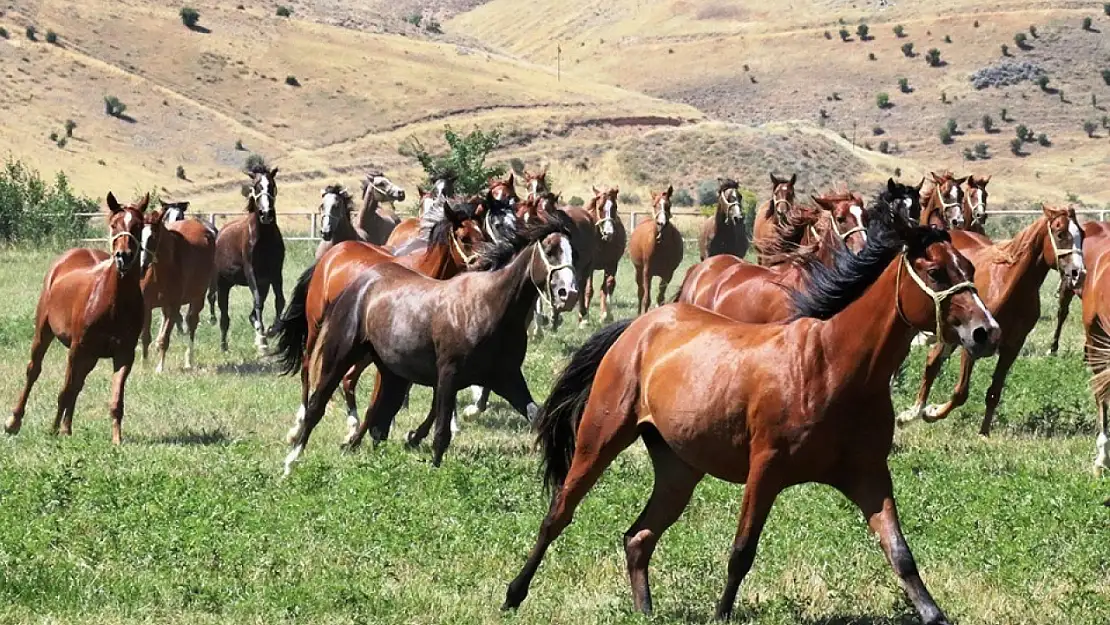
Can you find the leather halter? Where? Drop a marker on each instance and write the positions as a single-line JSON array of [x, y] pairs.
[[551, 269], [938, 297], [729, 219]]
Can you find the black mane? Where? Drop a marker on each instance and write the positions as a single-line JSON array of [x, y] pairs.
[[831, 288], [727, 183], [439, 233], [494, 256]]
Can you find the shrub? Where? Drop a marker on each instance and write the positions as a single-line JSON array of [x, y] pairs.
[[884, 146], [628, 198], [988, 123], [576, 201], [1042, 139], [1015, 146], [975, 24], [945, 136], [51, 37], [32, 210], [897, 172], [823, 114], [31, 32], [904, 85], [1042, 82], [1106, 122], [871, 56], [907, 49], [862, 31], [682, 197], [517, 166], [180, 172], [239, 145], [1106, 76], [951, 125], [968, 155], [62, 141], [465, 158], [883, 100], [947, 39], [3, 33], [1094, 101], [1023, 133], [254, 162], [1090, 127], [1005, 50], [189, 16], [414, 19], [432, 25], [899, 31], [933, 57], [113, 106], [844, 34], [54, 137], [1106, 8], [707, 192], [284, 11], [1033, 30], [981, 150], [292, 81], [1086, 23], [828, 35], [877, 130], [1020, 40], [1003, 114], [944, 97]]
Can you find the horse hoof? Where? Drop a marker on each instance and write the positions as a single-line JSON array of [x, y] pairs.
[[410, 440], [12, 426]]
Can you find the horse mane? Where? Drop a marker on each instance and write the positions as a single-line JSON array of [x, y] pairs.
[[439, 232], [494, 256], [780, 249], [1008, 252], [333, 188], [258, 166], [727, 183], [831, 288]]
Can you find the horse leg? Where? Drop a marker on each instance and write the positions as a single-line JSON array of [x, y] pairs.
[[1066, 296], [601, 438], [873, 492], [171, 316], [260, 294], [959, 394], [514, 388], [445, 407], [78, 367], [329, 377], [480, 396], [759, 495], [180, 325], [192, 319], [350, 381], [1007, 354], [148, 320], [674, 485], [389, 395], [298, 421], [122, 363], [607, 289], [538, 319], [660, 299], [938, 355], [643, 290], [279, 296], [584, 301], [417, 436], [39, 344], [222, 293]]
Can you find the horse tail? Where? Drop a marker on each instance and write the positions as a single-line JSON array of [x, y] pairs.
[[1097, 355], [340, 330], [292, 329], [557, 422]]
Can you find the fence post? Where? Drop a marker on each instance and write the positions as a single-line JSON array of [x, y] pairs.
[[312, 225]]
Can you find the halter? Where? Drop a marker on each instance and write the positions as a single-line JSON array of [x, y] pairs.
[[1062, 253], [256, 194], [538, 246], [947, 206], [600, 219], [938, 297], [789, 205], [728, 207], [120, 235], [466, 258], [490, 229], [979, 204], [371, 186]]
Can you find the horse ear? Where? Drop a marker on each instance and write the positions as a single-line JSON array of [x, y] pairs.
[[961, 180], [479, 210], [544, 172], [113, 204], [183, 206], [823, 203], [775, 180], [596, 192], [891, 186], [983, 182], [274, 172], [452, 215], [162, 203], [920, 184], [511, 180], [617, 190], [144, 203], [670, 190], [935, 177], [793, 178]]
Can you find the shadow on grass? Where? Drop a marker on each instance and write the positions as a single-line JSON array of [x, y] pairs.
[[248, 368], [791, 608], [190, 437], [196, 28]]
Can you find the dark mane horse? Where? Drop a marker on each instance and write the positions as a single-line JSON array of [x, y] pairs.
[[775, 225], [725, 232], [655, 250], [376, 221], [92, 302], [786, 404], [445, 334], [336, 204], [251, 252]]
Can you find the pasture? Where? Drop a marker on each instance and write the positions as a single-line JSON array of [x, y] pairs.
[[189, 520]]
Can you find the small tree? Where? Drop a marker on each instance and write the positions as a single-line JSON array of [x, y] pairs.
[[904, 85], [968, 155], [871, 56], [899, 31], [189, 17], [31, 33], [1106, 122], [1020, 41], [54, 137], [432, 26], [947, 39], [988, 124], [1005, 50], [1086, 23], [1033, 30], [933, 57], [877, 130], [883, 100], [828, 35], [844, 34], [70, 125], [239, 145], [862, 31], [682, 197], [414, 19], [1015, 146], [1003, 114], [292, 81], [113, 106], [1042, 82], [981, 150], [1106, 76], [907, 49], [951, 125], [884, 146], [51, 37], [254, 162], [465, 158], [1090, 127], [576, 201], [181, 172], [284, 11], [1106, 8], [1042, 139], [945, 136], [1022, 133], [3, 33], [944, 97]]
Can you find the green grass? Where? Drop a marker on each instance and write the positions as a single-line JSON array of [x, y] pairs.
[[189, 521]]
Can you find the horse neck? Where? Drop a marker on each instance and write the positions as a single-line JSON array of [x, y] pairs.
[[512, 288], [1027, 248], [344, 230], [368, 215], [722, 215]]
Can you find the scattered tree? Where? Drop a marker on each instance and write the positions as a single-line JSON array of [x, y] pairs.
[[877, 130], [51, 37], [981, 150], [1042, 139], [862, 31], [1005, 50], [54, 137], [1023, 133], [1015, 146], [576, 201], [254, 162], [465, 158], [1106, 8], [1106, 76], [3, 33], [883, 100], [947, 39], [1090, 127], [1106, 122], [871, 56], [70, 125], [899, 31], [62, 141], [113, 106], [1033, 30], [844, 34], [945, 136], [1042, 82], [1020, 41], [1086, 23], [968, 155], [952, 126], [32, 32], [933, 57], [181, 172], [682, 197], [975, 24], [828, 35], [1003, 114], [1094, 101], [292, 81], [944, 97], [884, 146], [907, 49], [239, 145], [432, 26], [904, 85], [414, 19], [189, 17], [284, 11], [988, 124]]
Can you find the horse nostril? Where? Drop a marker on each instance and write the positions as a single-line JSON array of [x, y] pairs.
[[562, 292], [980, 336]]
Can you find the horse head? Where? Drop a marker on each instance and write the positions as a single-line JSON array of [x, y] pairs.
[[847, 218], [503, 191], [661, 209], [125, 229], [903, 199], [975, 200], [729, 200], [173, 211], [262, 194], [950, 195], [335, 208], [603, 207], [536, 183], [465, 234], [782, 195], [1065, 238], [552, 269]]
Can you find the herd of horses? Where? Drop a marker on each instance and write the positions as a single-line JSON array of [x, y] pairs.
[[801, 344]]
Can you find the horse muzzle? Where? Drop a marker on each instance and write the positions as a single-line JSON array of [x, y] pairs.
[[399, 195]]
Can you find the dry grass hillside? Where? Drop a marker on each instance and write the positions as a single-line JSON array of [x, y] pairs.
[[759, 62]]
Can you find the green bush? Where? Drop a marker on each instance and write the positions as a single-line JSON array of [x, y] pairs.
[[1042, 139], [884, 146], [180, 173], [1106, 8], [904, 85], [576, 201], [1002, 114], [33, 211], [70, 126], [707, 192], [1005, 50], [292, 81], [981, 150], [899, 31], [113, 106], [1086, 23], [239, 145], [907, 49], [1022, 132], [284, 11], [1015, 146], [988, 123], [628, 198], [1020, 40], [465, 158], [1042, 82], [54, 137], [844, 34], [862, 31], [1106, 76], [883, 100], [31, 33], [1033, 30], [517, 166], [945, 136], [1090, 127], [414, 19], [951, 125], [432, 25], [682, 197], [933, 57], [51, 37], [254, 162], [947, 39], [828, 35], [189, 16], [3, 33], [968, 154]]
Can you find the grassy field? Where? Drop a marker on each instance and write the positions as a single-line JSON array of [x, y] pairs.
[[189, 522]]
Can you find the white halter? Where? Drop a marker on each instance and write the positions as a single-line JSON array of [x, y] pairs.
[[938, 297], [551, 269]]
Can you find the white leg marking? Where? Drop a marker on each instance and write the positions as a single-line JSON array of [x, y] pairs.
[[912, 413], [455, 429], [189, 354], [1102, 452], [532, 411], [293, 456], [476, 393], [298, 423], [352, 424]]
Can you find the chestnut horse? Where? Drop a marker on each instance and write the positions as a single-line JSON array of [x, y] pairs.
[[1009, 275], [655, 250], [1096, 235], [250, 252], [975, 204], [942, 205], [375, 221], [182, 261], [451, 249], [1096, 323], [609, 245], [335, 218], [536, 183], [92, 302], [805, 401], [772, 226], [397, 318], [725, 232]]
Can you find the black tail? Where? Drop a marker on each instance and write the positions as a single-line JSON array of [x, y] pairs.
[[557, 423], [292, 329]]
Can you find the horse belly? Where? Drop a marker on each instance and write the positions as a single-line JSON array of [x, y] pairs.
[[401, 336]]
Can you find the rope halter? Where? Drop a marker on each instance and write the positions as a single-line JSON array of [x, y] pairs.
[[728, 210], [468, 259], [551, 269], [134, 256], [490, 230], [978, 211], [1062, 253], [938, 297]]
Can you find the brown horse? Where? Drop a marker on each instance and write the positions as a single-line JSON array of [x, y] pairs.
[[182, 260], [1096, 237], [1009, 275], [375, 220], [942, 204], [251, 252], [92, 302], [451, 249], [431, 202], [655, 250], [1096, 323], [975, 204], [536, 182], [725, 232], [772, 227], [609, 245], [336, 204], [445, 334], [806, 401], [498, 213]]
